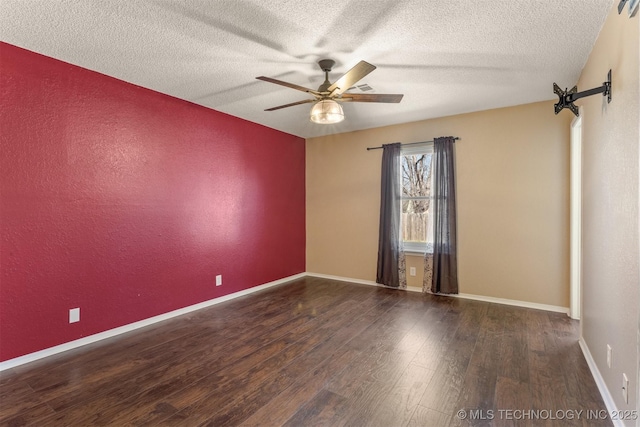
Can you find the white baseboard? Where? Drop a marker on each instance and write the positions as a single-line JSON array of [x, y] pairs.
[[8, 364], [602, 387], [517, 303], [344, 279], [360, 281]]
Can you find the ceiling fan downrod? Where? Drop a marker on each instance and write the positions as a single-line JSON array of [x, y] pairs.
[[325, 65]]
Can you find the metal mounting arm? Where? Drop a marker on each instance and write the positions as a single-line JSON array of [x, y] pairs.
[[567, 97], [621, 6]]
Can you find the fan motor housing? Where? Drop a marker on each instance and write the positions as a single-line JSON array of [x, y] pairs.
[[326, 64]]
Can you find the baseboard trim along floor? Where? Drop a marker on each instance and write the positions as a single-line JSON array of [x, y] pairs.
[[31, 357], [8, 364], [602, 387], [516, 303]]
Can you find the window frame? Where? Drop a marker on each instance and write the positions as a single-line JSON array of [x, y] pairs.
[[424, 148]]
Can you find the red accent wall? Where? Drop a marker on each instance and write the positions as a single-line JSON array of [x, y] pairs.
[[126, 202]]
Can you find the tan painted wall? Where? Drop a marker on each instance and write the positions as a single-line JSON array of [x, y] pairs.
[[513, 201], [610, 205]]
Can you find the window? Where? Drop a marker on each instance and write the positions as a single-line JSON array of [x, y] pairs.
[[416, 218]]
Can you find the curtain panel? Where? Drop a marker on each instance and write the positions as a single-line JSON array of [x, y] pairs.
[[441, 267], [391, 268]]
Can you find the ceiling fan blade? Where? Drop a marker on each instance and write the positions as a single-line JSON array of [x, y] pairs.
[[287, 84], [371, 97], [349, 78], [306, 101]]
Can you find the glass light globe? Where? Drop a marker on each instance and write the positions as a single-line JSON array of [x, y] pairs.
[[326, 112]]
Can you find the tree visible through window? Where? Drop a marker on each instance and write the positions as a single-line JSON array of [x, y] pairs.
[[417, 227]]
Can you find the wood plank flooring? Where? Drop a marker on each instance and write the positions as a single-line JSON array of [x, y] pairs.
[[317, 352]]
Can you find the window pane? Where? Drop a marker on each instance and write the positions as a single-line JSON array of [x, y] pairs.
[[416, 175], [414, 227], [416, 183]]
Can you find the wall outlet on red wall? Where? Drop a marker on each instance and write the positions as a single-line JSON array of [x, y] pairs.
[[74, 315]]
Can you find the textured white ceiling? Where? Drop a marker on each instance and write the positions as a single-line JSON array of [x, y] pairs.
[[446, 56]]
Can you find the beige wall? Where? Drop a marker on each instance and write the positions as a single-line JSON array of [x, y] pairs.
[[513, 201], [610, 205]]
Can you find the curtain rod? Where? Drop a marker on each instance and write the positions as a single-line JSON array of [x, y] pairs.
[[411, 143]]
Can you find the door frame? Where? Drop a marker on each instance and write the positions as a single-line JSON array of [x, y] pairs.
[[575, 306]]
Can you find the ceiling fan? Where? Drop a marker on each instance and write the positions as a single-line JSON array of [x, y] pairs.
[[326, 109]]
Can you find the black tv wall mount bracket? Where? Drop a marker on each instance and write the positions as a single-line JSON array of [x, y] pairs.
[[567, 97]]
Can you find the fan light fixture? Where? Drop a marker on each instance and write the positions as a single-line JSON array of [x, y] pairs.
[[327, 111], [325, 108]]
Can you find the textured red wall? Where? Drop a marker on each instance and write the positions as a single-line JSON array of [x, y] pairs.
[[126, 203]]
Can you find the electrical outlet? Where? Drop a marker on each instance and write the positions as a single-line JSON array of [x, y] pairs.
[[608, 355], [219, 280], [625, 388], [74, 315], [412, 271]]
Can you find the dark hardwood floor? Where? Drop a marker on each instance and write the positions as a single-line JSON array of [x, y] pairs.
[[317, 352]]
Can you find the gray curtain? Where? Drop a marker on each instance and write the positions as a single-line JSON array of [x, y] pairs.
[[445, 260], [391, 261]]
